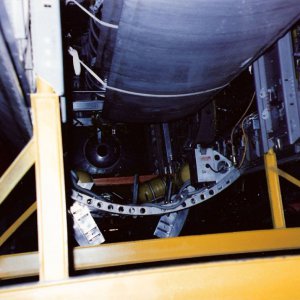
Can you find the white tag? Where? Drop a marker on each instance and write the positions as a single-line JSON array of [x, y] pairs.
[[86, 229], [76, 61]]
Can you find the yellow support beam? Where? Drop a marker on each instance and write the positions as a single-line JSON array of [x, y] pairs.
[[11, 230], [289, 177], [17, 170], [244, 279], [252, 279], [107, 255], [50, 186], [19, 265], [274, 190]]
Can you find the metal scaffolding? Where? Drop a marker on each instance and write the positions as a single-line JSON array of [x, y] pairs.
[[246, 279]]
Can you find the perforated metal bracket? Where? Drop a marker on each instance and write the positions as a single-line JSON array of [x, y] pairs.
[[202, 195]]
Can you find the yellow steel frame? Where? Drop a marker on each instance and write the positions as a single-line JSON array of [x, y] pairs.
[[17, 170], [251, 279], [85, 258], [274, 190], [10, 231], [45, 150], [273, 278], [50, 185]]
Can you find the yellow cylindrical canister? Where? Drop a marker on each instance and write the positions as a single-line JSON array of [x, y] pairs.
[[152, 189], [185, 173], [156, 188], [84, 177]]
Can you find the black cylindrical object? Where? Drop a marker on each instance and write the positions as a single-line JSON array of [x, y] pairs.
[[164, 49]]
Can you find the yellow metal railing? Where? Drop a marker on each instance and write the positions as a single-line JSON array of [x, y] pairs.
[[274, 190], [252, 279], [50, 184], [17, 170], [45, 151]]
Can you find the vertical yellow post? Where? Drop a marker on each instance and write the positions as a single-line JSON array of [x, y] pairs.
[[50, 186], [274, 190]]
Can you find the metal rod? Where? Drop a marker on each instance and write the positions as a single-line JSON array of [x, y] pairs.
[[50, 186], [135, 192], [274, 190], [17, 170], [168, 145], [128, 180]]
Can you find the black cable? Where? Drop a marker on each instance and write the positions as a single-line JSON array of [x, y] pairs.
[[217, 171], [210, 167]]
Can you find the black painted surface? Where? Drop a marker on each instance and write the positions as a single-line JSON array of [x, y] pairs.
[[175, 47], [15, 123]]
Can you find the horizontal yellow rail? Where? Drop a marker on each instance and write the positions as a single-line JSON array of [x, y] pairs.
[[244, 279], [20, 265]]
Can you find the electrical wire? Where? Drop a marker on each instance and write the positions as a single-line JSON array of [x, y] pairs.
[[242, 117], [165, 95], [238, 122], [105, 24], [224, 167], [246, 141], [74, 54]]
